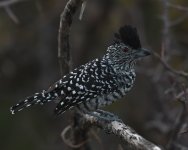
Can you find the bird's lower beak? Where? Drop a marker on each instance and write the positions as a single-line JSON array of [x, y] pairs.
[[142, 53]]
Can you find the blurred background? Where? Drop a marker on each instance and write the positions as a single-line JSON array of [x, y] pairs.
[[28, 63]]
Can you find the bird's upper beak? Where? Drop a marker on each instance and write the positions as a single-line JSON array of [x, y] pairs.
[[142, 53]]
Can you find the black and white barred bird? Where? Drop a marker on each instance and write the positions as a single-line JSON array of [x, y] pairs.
[[97, 83]]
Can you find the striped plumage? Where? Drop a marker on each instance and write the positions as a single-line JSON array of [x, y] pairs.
[[97, 83]]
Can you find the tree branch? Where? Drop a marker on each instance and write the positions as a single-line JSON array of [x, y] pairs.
[[118, 128], [63, 37]]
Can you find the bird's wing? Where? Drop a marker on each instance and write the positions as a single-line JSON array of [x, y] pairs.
[[88, 82]]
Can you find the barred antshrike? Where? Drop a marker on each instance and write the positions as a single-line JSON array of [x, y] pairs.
[[97, 83]]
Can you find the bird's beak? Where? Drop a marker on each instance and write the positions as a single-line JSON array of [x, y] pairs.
[[142, 53]]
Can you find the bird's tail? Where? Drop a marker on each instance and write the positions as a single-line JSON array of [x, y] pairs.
[[37, 98]]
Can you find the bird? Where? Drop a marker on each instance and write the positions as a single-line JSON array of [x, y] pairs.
[[99, 82]]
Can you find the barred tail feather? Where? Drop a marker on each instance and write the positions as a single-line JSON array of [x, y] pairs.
[[37, 98]]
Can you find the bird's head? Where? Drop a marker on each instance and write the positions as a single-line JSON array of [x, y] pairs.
[[126, 49]]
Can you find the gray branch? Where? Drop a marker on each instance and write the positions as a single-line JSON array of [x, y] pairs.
[[118, 128], [63, 37]]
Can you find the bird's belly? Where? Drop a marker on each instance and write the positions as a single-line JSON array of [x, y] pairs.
[[103, 100]]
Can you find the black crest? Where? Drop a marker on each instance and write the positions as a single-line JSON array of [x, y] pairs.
[[129, 36]]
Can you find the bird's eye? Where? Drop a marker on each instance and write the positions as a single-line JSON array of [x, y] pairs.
[[125, 49]]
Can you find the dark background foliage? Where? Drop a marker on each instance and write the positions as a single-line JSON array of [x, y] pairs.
[[28, 63]]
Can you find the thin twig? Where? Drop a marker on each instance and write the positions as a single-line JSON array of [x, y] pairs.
[[181, 94], [179, 7], [166, 33], [169, 68], [82, 9], [6, 5], [69, 142], [9, 2], [11, 14], [178, 125], [179, 20]]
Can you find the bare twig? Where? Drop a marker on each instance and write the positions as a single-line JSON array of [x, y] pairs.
[[178, 125], [181, 94], [166, 24], [9, 2], [179, 7], [179, 20], [82, 9], [11, 14], [171, 69], [63, 37], [69, 142], [6, 5]]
